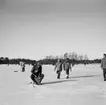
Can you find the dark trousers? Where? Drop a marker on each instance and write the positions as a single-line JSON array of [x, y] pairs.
[[104, 73], [67, 72], [23, 69], [33, 77], [58, 74]]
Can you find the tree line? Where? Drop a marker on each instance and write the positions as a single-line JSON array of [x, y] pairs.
[[51, 60], [74, 59], [6, 60]]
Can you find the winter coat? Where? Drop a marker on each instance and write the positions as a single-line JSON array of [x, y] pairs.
[[103, 63]]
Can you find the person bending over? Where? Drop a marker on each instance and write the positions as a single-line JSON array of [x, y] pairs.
[[36, 73]]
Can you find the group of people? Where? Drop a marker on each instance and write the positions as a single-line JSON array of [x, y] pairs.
[[37, 75], [67, 66]]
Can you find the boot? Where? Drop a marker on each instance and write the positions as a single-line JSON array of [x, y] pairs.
[[67, 77], [58, 76]]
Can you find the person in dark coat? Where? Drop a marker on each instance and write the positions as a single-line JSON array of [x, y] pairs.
[[37, 75]]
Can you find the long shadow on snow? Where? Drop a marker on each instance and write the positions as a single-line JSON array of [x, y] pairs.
[[86, 76], [60, 81]]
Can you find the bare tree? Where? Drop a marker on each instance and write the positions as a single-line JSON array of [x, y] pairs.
[[70, 56], [86, 57], [74, 55], [80, 57], [65, 55]]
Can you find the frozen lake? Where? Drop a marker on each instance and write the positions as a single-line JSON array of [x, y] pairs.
[[84, 87]]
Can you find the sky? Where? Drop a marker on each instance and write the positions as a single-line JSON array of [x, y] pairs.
[[37, 28]]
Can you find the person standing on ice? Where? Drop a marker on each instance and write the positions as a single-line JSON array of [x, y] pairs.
[[103, 66], [22, 64], [58, 68], [67, 67]]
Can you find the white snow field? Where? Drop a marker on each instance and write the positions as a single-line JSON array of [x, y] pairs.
[[85, 87]]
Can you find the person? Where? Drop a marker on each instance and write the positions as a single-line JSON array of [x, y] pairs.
[[103, 66], [67, 67], [58, 68], [23, 67], [22, 64], [37, 75]]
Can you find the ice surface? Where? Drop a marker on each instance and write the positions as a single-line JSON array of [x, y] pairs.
[[84, 87]]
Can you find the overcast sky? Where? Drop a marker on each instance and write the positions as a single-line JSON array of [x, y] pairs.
[[36, 28]]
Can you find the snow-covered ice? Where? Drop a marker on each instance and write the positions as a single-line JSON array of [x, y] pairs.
[[84, 87]]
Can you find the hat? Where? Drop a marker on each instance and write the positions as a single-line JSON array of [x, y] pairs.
[[104, 55]]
